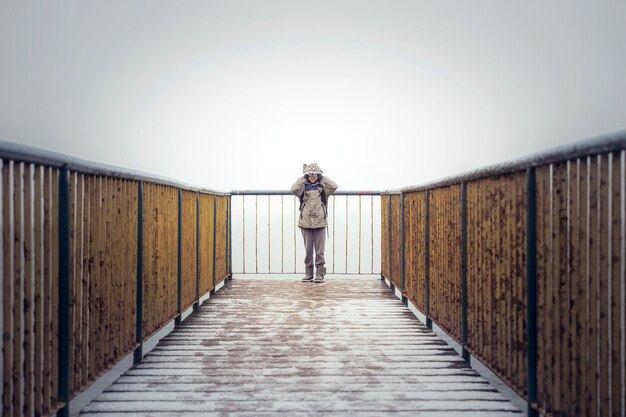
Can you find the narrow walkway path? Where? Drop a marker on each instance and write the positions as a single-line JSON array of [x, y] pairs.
[[283, 348]]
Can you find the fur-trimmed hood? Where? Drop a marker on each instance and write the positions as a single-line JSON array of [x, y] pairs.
[[312, 168]]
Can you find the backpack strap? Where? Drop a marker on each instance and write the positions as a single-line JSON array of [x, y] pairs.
[[322, 196]]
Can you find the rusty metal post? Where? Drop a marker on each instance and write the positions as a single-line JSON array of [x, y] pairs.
[[429, 322], [229, 246], [402, 250], [532, 290], [64, 292], [138, 353], [197, 303], [179, 297], [372, 230], [359, 235], [465, 352], [214, 239], [389, 222]]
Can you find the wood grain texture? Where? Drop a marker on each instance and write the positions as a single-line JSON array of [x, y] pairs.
[[580, 283], [8, 280], [415, 204], [189, 249], [396, 234], [342, 348], [18, 289], [384, 229], [616, 279], [445, 259], [409, 291], [206, 243], [160, 256], [28, 289], [496, 236], [220, 237], [40, 346]]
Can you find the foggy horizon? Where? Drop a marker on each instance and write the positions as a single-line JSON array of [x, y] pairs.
[[238, 95]]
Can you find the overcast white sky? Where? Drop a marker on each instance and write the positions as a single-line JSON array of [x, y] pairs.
[[238, 94]]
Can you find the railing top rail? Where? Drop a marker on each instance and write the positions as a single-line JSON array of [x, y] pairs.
[[284, 192], [31, 155], [610, 142], [601, 144]]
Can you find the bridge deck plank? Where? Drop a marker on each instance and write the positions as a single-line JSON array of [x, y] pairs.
[[270, 347]]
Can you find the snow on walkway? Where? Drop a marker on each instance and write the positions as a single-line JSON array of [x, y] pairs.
[[285, 348]]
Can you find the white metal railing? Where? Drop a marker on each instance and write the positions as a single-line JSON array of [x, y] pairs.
[[266, 238]]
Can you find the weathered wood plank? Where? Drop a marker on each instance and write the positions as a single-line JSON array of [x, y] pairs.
[[269, 395], [428, 413], [275, 347], [184, 406], [47, 289], [39, 288], [18, 290], [29, 285], [8, 279], [604, 287], [441, 386], [594, 267], [178, 380], [260, 361]]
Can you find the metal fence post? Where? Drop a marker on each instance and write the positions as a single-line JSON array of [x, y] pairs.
[[402, 249], [179, 317], [465, 352], [382, 223], [391, 286], [532, 290], [64, 292], [229, 272], [197, 303], [429, 322], [138, 353], [214, 237]]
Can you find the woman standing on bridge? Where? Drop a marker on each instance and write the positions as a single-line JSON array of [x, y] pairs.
[[313, 190]]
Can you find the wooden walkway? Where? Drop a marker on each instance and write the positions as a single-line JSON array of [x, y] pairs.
[[284, 348]]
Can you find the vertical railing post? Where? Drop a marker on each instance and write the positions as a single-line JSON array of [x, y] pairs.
[[391, 286], [214, 238], [197, 303], [382, 224], [371, 230], [138, 353], [347, 198], [465, 352], [229, 236], [429, 322], [179, 317], [402, 249], [64, 292], [532, 290]]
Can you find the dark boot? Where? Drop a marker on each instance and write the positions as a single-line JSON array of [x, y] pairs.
[[319, 276], [308, 274]]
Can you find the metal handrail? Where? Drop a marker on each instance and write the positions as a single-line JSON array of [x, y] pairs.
[[27, 154], [600, 144], [285, 192], [332, 227]]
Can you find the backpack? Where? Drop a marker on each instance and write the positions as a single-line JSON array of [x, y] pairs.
[[322, 195]]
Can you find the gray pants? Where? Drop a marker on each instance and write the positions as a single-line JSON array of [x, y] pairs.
[[314, 239]]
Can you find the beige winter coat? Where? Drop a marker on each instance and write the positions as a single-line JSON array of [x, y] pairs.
[[314, 214]]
